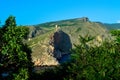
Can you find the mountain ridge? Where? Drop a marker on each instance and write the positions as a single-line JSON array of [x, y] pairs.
[[40, 46]]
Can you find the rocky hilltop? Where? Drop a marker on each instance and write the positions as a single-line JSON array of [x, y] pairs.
[[52, 41]]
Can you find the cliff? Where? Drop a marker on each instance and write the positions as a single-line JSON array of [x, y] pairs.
[[61, 43]]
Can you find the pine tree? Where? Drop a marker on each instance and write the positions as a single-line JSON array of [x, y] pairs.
[[15, 61], [94, 63]]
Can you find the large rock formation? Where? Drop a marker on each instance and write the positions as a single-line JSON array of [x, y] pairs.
[[60, 43]]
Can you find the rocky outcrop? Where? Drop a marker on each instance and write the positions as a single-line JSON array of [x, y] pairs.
[[35, 31], [85, 19], [60, 44], [43, 61]]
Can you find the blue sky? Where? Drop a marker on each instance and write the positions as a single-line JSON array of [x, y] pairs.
[[28, 12]]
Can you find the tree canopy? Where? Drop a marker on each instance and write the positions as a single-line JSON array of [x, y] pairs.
[[15, 61]]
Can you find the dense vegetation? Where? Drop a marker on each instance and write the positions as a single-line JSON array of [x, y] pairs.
[[116, 33], [15, 59], [95, 63]]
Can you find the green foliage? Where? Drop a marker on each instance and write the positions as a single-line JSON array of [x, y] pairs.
[[22, 74], [95, 63], [116, 33], [14, 55]]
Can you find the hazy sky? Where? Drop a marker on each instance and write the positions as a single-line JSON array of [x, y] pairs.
[[29, 12]]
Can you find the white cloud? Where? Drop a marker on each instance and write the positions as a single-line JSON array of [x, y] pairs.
[[118, 21]]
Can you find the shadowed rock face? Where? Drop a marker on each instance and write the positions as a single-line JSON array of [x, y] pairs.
[[61, 43]]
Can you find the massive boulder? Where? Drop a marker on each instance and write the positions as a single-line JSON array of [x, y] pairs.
[[61, 43]]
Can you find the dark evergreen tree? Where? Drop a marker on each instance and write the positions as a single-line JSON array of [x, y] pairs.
[[15, 59], [116, 33], [94, 63]]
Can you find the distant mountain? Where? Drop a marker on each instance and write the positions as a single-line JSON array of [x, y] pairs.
[[69, 22], [112, 26], [51, 41]]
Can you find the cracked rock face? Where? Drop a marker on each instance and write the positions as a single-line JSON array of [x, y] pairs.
[[61, 43]]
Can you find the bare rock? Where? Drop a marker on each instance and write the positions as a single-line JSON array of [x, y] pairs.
[[61, 43]]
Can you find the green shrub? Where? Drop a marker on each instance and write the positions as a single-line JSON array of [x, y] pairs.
[[15, 58], [95, 63]]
